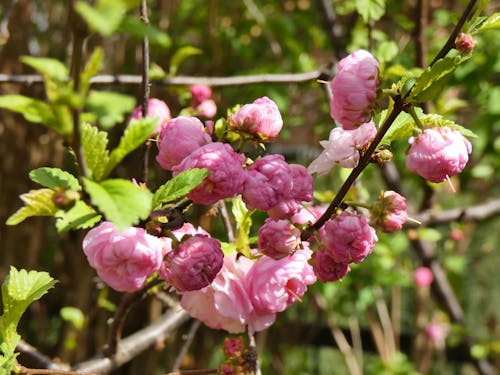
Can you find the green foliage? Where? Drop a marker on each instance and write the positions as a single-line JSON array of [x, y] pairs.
[[179, 186], [73, 315], [490, 23], [19, 290], [91, 69], [180, 55], [36, 203], [51, 68], [121, 201], [403, 126], [243, 218], [370, 10], [95, 152], [80, 216], [105, 17], [139, 29], [108, 107], [55, 178]]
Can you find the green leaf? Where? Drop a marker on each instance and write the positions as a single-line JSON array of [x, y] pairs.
[[139, 29], [80, 216], [51, 68], [180, 55], [105, 17], [137, 132], [179, 186], [402, 127], [243, 219], [90, 70], [109, 107], [432, 80], [370, 10], [73, 315], [94, 143], [54, 178], [36, 203], [435, 120], [491, 23], [121, 201]]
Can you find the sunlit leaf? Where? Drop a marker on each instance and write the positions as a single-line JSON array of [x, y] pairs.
[[139, 29], [46, 66], [80, 216], [179, 186], [243, 218], [105, 17], [36, 203], [94, 144], [180, 55], [54, 178], [370, 10], [110, 107]]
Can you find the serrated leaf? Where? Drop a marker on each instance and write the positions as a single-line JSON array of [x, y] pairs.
[[243, 218], [370, 10], [48, 67], [491, 23], [91, 69], [54, 178], [109, 106], [137, 132], [432, 80], [36, 203], [80, 216], [105, 17], [435, 120], [180, 55], [179, 186], [402, 127], [94, 145], [73, 315], [139, 29], [121, 201]]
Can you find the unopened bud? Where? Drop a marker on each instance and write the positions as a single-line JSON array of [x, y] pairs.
[[382, 156], [65, 199], [465, 43]]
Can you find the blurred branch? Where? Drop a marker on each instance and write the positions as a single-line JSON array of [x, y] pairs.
[[185, 347], [345, 349], [261, 20], [420, 27], [226, 220], [39, 359], [332, 26], [145, 87], [4, 24], [131, 346]]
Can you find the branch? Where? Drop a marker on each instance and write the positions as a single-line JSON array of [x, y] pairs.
[[185, 347], [39, 359], [137, 342], [145, 86], [332, 26]]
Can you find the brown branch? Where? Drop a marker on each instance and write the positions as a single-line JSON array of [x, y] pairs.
[[36, 357], [226, 220], [145, 86], [187, 343], [332, 26], [131, 346], [420, 28]]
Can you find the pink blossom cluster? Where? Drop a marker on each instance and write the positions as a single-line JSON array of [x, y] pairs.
[[345, 239], [354, 89], [389, 211], [247, 293], [201, 101], [438, 153], [156, 108]]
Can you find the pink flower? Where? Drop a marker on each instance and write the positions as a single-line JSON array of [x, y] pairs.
[[354, 89], [438, 153], [348, 238], [423, 276], [156, 108], [233, 346], [261, 118], [227, 175], [277, 187], [273, 285], [326, 269], [179, 138], [389, 211], [200, 93], [206, 109], [193, 264], [189, 229], [123, 260], [436, 333], [465, 43], [225, 304], [456, 235], [278, 239], [342, 147]]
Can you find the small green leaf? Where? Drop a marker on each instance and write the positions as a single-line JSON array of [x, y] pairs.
[[429, 234], [121, 201], [370, 10], [139, 29], [435, 120], [491, 23], [243, 219], [54, 178], [402, 127], [105, 17], [109, 106], [80, 216], [73, 315], [432, 80], [36, 203], [48, 67], [180, 55], [90, 70], [179, 186], [94, 143]]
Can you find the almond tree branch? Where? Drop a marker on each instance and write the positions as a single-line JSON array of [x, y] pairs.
[[145, 86]]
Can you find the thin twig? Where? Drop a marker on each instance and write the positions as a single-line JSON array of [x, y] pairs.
[[40, 359], [145, 87], [227, 221], [187, 343], [39, 371], [333, 27], [385, 321], [252, 344], [345, 349]]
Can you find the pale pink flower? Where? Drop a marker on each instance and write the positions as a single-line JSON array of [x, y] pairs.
[[436, 333], [389, 211], [206, 109], [189, 229], [465, 43], [178, 139], [156, 108], [273, 285], [226, 176], [200, 93], [261, 118], [342, 147], [348, 238], [278, 238], [423, 276], [123, 259], [193, 264], [354, 89], [438, 153], [326, 269], [456, 235]]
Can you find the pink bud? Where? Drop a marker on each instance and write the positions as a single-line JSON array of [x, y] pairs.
[[326, 269], [423, 276], [438, 153], [389, 211], [200, 93], [156, 108], [123, 260], [278, 239], [436, 333], [179, 138], [206, 109], [226, 176], [348, 238], [456, 235], [465, 43], [233, 346], [193, 264], [354, 89], [261, 118]]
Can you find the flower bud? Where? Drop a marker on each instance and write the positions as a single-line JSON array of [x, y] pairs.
[[200, 93], [65, 199], [156, 108], [389, 211], [465, 43], [382, 156], [278, 239], [326, 269]]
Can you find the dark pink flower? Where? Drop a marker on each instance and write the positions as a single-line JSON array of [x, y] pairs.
[[438, 153], [156, 108], [389, 211], [278, 238], [326, 269]]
